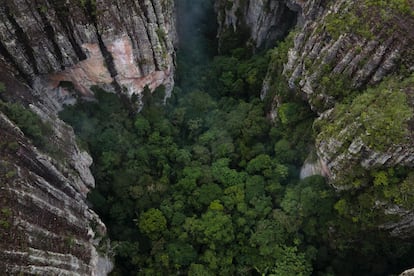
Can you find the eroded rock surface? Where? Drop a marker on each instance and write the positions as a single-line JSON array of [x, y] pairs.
[[352, 61], [119, 45], [343, 48], [330, 53], [264, 20], [47, 228], [49, 50]]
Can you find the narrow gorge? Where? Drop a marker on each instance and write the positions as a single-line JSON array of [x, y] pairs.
[[206, 137]]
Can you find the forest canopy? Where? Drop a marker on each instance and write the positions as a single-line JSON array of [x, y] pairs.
[[206, 184]]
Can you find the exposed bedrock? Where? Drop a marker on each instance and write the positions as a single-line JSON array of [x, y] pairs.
[[46, 225], [49, 50], [119, 45]]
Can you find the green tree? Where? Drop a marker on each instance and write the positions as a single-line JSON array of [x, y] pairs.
[[181, 254], [214, 228], [291, 263], [152, 223], [199, 270]]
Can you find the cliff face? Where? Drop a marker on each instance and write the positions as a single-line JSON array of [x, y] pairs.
[[336, 56], [357, 75], [119, 45], [345, 48], [352, 61], [46, 227], [264, 22], [260, 22], [49, 50]]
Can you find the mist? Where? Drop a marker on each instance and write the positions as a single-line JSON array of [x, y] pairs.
[[197, 29]]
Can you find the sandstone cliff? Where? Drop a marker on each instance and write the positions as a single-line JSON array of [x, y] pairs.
[[46, 226], [119, 45], [258, 23], [335, 57], [348, 46], [352, 61], [52, 52]]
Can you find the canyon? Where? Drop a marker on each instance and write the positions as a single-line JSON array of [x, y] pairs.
[[54, 53]]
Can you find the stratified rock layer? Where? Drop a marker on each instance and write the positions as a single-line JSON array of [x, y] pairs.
[[48, 50], [46, 227], [266, 20], [358, 53], [329, 61], [342, 49], [344, 52], [119, 45]]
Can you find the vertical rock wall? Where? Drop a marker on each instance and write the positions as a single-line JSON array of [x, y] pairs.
[[336, 55], [345, 53], [46, 226], [339, 43], [120, 45], [49, 49], [264, 20]]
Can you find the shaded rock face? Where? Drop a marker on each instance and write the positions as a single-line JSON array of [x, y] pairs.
[[46, 226], [313, 166], [326, 49], [326, 67], [119, 45], [49, 229], [402, 228], [409, 272], [342, 48], [341, 158], [264, 20], [342, 52]]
